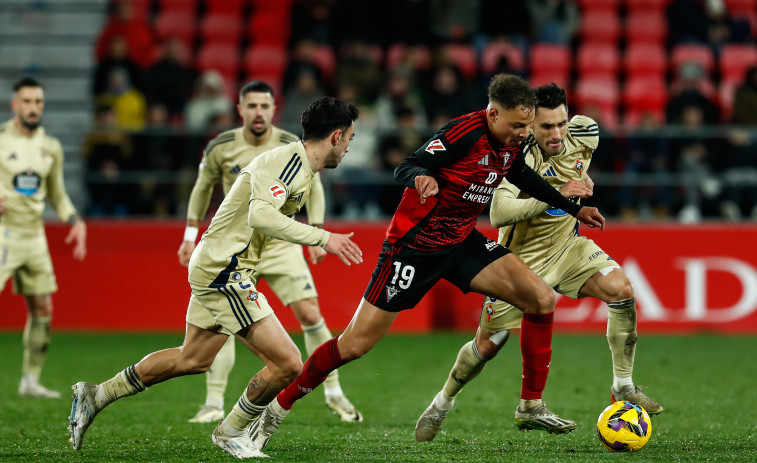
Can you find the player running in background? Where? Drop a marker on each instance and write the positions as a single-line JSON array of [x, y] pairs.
[[224, 299], [547, 240], [31, 170], [432, 236], [282, 264]]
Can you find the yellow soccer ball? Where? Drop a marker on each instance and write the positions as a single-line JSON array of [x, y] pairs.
[[624, 427]]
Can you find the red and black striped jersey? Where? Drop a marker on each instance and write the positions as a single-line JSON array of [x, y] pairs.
[[468, 163]]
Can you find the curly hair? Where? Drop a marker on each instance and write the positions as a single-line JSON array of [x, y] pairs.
[[511, 92], [550, 96]]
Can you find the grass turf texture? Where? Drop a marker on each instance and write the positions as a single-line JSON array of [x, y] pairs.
[[705, 383]]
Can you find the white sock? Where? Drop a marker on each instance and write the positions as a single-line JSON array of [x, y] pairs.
[[442, 403], [618, 383], [332, 391], [215, 403]]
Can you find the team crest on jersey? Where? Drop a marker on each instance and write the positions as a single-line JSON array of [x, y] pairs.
[[391, 291], [489, 312], [277, 191], [435, 145], [579, 166]]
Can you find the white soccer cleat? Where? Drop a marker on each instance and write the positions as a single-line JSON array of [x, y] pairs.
[[238, 445], [341, 406], [30, 388], [207, 414], [430, 423], [267, 423], [542, 418], [634, 394], [83, 411]]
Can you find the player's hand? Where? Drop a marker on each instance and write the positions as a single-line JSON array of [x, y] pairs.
[[589, 183], [426, 186], [185, 252], [2, 207], [344, 248], [591, 217], [316, 254], [78, 234], [575, 188]]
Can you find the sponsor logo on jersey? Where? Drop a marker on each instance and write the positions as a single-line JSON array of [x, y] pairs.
[[434, 146], [550, 172], [596, 254], [27, 183], [479, 193], [490, 245], [277, 191], [391, 291], [556, 212], [484, 160], [579, 166]]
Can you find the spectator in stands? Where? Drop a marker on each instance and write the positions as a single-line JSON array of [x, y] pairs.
[[171, 80], [510, 21], [305, 90], [647, 154], [116, 57], [359, 71], [687, 21], [447, 97], [400, 91], [208, 104], [302, 61], [555, 21], [745, 100], [455, 20], [689, 93], [107, 150], [128, 102], [693, 154], [122, 22], [313, 20]]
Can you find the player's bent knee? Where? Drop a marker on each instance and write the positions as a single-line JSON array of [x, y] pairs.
[[288, 370], [544, 300]]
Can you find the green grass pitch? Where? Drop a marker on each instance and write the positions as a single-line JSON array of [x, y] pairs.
[[705, 382]]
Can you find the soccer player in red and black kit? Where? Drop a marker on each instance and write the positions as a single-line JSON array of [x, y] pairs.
[[450, 180]]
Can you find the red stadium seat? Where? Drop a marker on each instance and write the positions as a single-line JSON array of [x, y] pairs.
[[266, 60], [186, 6], [735, 60], [220, 57], [645, 94], [598, 59], [269, 28], [416, 56], [646, 5], [464, 57], [176, 24], [744, 9], [544, 78], [596, 5], [597, 94], [646, 27], [645, 59], [141, 9], [495, 50], [221, 28], [231, 7], [547, 57], [692, 53], [600, 26]]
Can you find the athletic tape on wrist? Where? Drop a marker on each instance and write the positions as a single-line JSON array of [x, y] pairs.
[[190, 233]]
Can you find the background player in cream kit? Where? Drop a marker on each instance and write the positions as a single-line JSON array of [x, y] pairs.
[[31, 171], [547, 240], [282, 264], [224, 299]]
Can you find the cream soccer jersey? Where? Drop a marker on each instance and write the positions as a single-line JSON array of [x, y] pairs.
[[537, 239], [260, 203], [31, 170]]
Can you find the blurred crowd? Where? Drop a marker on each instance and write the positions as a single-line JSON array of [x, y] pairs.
[[410, 65]]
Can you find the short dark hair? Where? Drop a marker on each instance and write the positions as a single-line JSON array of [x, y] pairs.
[[325, 115], [550, 96], [257, 86], [26, 82], [511, 92]]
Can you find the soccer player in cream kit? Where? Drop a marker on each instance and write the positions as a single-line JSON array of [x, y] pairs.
[[31, 171]]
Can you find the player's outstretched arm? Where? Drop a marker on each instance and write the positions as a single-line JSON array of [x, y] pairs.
[[344, 248], [78, 234], [591, 217]]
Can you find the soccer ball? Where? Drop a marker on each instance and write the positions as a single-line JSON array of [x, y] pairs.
[[624, 427]]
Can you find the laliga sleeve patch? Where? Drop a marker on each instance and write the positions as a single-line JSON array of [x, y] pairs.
[[277, 191], [435, 145]]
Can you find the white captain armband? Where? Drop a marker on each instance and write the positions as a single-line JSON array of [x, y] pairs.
[[190, 234]]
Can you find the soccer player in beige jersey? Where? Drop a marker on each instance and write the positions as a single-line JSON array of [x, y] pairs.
[[282, 263], [224, 300], [547, 240], [31, 171]]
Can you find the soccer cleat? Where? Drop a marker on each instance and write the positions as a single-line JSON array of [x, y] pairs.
[[634, 394], [29, 388], [430, 423], [83, 412], [237, 445], [207, 414], [268, 423], [341, 406], [542, 418]]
